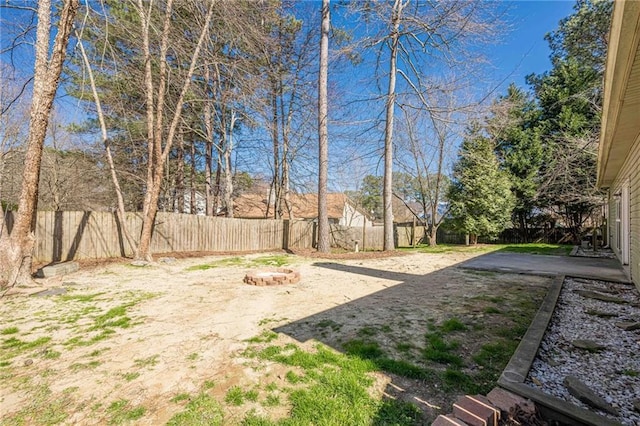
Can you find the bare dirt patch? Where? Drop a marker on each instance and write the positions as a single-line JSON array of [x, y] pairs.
[[127, 344]]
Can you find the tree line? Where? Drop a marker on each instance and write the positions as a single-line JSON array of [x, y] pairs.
[[172, 89]]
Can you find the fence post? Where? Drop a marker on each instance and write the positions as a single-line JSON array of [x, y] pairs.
[[285, 234]]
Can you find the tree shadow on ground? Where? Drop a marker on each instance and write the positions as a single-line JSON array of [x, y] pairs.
[[395, 328]]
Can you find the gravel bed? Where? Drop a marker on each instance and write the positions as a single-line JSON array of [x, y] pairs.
[[612, 373]]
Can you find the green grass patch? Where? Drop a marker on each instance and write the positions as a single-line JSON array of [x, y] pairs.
[[438, 350], [537, 248], [272, 260], [492, 310], [396, 412], [453, 324], [13, 346], [331, 388], [9, 330], [147, 362], [272, 401], [531, 248], [121, 412], [42, 408], [131, 376], [79, 297], [327, 323], [181, 397], [201, 410], [264, 337], [235, 396], [50, 354]]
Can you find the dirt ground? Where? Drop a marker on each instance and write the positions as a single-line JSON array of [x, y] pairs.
[[144, 335]]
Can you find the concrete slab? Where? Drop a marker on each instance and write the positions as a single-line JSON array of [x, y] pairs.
[[583, 267], [58, 269]]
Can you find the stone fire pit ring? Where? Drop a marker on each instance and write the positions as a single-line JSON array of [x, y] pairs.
[[272, 276]]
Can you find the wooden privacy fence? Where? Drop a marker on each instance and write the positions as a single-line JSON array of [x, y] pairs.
[[62, 236]]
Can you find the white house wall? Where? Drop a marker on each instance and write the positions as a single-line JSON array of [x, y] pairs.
[[630, 172], [352, 217]]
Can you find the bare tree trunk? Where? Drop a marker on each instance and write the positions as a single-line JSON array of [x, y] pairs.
[[192, 184], [228, 181], [387, 190], [276, 152], [208, 125], [286, 125], [16, 250], [155, 118], [121, 216], [323, 134], [179, 198], [216, 185]]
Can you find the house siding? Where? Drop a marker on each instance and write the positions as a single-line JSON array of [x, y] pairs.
[[630, 172]]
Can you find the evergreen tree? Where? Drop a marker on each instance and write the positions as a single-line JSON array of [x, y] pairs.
[[519, 148], [570, 100], [480, 194]]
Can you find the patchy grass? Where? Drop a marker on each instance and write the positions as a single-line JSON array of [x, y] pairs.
[[122, 412], [265, 337], [9, 330], [450, 248], [537, 248], [271, 260], [203, 409], [530, 248], [148, 362]]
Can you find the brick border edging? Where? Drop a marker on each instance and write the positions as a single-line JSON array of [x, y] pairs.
[[281, 276]]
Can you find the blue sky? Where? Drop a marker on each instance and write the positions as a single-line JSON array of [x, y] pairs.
[[521, 52], [524, 50]]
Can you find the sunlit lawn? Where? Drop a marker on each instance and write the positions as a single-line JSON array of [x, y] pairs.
[[530, 248]]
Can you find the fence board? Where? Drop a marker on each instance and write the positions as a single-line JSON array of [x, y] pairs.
[[85, 235]]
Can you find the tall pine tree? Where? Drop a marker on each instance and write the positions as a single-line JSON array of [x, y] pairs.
[[480, 193]]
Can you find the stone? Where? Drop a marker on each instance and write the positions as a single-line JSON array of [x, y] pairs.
[[599, 296], [28, 362], [589, 345], [628, 326], [586, 395], [601, 289], [600, 314], [167, 260], [139, 263], [508, 401], [50, 292], [57, 269]]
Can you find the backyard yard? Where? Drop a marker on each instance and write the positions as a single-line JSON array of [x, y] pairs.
[[369, 340]]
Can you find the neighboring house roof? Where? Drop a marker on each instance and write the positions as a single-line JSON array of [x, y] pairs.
[[304, 206], [620, 124]]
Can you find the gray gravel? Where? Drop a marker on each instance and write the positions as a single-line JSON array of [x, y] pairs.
[[613, 373]]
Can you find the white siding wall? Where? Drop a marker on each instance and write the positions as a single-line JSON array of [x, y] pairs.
[[352, 217], [630, 172]]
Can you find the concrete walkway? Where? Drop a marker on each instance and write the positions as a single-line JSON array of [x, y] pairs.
[[584, 267]]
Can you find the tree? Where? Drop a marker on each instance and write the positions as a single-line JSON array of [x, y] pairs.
[[570, 101], [387, 186], [512, 126], [156, 87], [323, 136], [480, 194], [16, 249], [412, 37]]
